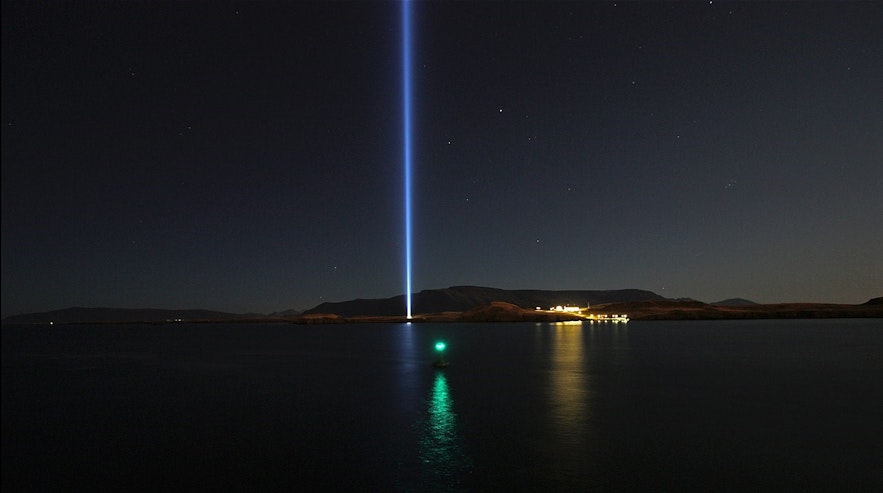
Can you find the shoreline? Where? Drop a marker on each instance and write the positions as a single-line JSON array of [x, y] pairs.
[[505, 312]]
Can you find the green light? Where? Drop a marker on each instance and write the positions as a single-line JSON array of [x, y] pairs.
[[439, 346]]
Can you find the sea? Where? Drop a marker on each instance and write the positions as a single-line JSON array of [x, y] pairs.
[[761, 405]]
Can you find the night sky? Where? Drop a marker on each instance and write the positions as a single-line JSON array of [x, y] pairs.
[[247, 157]]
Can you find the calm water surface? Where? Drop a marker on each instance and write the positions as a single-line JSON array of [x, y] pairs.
[[646, 406]]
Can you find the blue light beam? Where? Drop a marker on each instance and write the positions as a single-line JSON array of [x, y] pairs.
[[406, 143]]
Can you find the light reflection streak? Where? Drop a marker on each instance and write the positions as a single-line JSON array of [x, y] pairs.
[[441, 451], [569, 385], [407, 371], [568, 449]]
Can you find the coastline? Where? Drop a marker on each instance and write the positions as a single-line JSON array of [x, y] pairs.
[[636, 311], [506, 312]]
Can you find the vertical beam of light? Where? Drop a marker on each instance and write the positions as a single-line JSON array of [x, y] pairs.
[[406, 131]]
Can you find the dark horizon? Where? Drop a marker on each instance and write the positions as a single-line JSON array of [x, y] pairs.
[[464, 298]]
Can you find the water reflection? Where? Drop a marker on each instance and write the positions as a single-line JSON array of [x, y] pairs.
[[568, 450], [569, 385], [407, 371], [441, 450]]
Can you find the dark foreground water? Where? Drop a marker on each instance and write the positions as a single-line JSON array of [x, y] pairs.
[[643, 406]]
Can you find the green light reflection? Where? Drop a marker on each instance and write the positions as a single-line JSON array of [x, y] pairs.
[[441, 450]]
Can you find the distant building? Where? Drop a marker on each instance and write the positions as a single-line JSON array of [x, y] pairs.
[[593, 317], [566, 309]]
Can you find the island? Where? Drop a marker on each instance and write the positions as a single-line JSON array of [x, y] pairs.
[[480, 304]]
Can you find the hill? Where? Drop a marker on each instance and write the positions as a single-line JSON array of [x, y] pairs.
[[500, 311], [734, 302], [476, 304], [696, 310], [464, 298]]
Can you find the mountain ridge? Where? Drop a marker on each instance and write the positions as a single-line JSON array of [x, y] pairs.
[[464, 298], [462, 303]]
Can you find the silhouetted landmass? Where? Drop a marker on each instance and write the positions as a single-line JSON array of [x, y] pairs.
[[636, 310], [734, 302], [696, 310], [464, 298], [500, 311], [448, 303], [496, 311], [285, 313]]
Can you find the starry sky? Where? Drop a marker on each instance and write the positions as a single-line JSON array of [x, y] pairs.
[[247, 156]]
